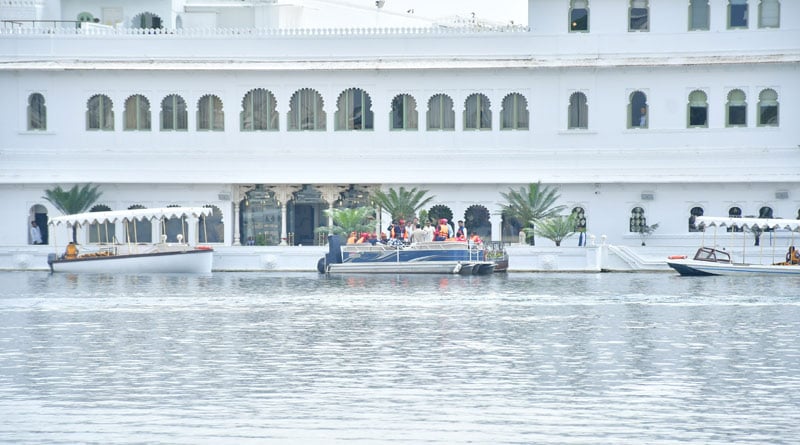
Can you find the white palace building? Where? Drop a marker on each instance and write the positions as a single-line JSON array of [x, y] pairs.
[[271, 111]]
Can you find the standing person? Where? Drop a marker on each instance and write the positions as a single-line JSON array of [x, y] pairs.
[[461, 231], [418, 235], [442, 231], [428, 229], [36, 233]]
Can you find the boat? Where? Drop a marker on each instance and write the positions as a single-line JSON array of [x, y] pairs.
[[131, 256], [716, 261], [436, 257]]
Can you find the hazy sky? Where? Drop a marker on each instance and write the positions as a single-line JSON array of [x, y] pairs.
[[502, 11]]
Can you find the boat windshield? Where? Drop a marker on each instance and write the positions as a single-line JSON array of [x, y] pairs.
[[712, 255]]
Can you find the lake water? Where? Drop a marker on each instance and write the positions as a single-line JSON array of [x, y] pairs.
[[251, 358]]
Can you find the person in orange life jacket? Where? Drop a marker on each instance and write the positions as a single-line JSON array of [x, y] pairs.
[[364, 238], [397, 232], [352, 238], [442, 231], [475, 239]]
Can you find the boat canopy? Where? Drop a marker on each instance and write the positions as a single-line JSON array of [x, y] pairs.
[[130, 215], [748, 223]]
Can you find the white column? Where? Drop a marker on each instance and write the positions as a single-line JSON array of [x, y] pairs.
[[330, 193], [284, 193]]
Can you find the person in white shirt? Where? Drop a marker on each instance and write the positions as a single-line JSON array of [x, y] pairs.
[[36, 233]]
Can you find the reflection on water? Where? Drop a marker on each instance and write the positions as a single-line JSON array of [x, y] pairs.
[[304, 358]]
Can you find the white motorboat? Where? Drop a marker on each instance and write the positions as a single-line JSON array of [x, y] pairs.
[[131, 256], [714, 261]]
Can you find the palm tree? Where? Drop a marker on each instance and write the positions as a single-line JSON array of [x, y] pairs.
[[347, 220], [403, 203], [527, 205], [556, 228], [76, 200]]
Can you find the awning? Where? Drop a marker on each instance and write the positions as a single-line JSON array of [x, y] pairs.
[[114, 216], [748, 223]]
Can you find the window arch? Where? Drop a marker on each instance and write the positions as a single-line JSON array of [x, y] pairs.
[[38, 214], [354, 110], [306, 111], [174, 226], [693, 214], [734, 212], [477, 219], [210, 227], [85, 17], [100, 113], [578, 115], [579, 216], [698, 109], [37, 112], [137, 113], [514, 115], [639, 15], [174, 114], [146, 20], [138, 231], [698, 15], [769, 14], [579, 15], [638, 222], [259, 111], [440, 211], [637, 110], [737, 109], [477, 113], [737, 14], [768, 108], [210, 116], [441, 115], [765, 212], [101, 232], [404, 113]]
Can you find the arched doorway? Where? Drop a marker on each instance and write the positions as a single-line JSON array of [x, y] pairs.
[[38, 213], [477, 219]]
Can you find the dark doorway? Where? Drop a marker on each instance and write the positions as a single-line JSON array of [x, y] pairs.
[[304, 224]]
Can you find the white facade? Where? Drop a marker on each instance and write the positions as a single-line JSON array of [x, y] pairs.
[[609, 163]]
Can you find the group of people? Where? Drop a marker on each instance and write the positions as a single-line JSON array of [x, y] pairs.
[[401, 232]]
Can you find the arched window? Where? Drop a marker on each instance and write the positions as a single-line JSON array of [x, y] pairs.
[[639, 15], [477, 219], [175, 226], [637, 110], [737, 14], [579, 15], [768, 108], [638, 222], [440, 211], [174, 114], [354, 110], [146, 20], [137, 113], [86, 17], [734, 212], [698, 15], [698, 109], [737, 109], [101, 232], [210, 228], [258, 111], [210, 116], [477, 115], [693, 214], [306, 111], [769, 14], [441, 115], [37, 112], [100, 113], [404, 113], [578, 111], [138, 231], [514, 115]]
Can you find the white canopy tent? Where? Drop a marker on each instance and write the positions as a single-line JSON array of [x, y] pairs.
[[114, 216]]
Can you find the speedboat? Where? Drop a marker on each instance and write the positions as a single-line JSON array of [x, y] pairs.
[[132, 256], [715, 261], [436, 257]]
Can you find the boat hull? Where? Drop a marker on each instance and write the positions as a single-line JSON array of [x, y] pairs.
[[700, 268], [195, 261]]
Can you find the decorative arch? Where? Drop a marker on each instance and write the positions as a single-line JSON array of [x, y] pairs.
[[768, 108], [514, 115], [404, 114], [101, 233], [693, 214], [100, 113], [578, 113], [354, 110], [638, 221], [307, 111], [136, 115], [477, 112], [441, 115], [697, 109], [175, 226], [638, 110], [477, 219], [736, 109], [146, 20], [174, 114], [37, 112], [440, 211], [211, 228], [579, 215], [210, 115], [259, 111], [735, 212]]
